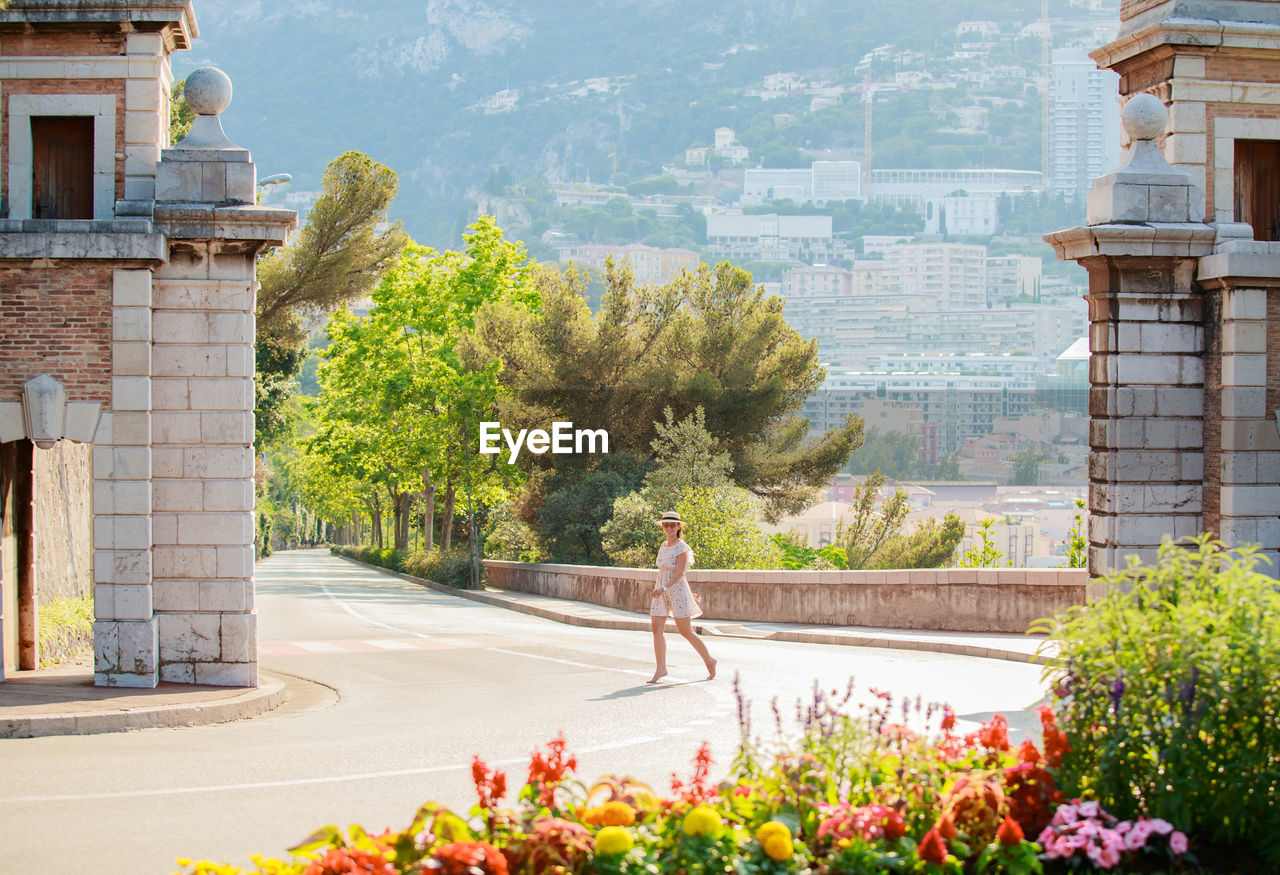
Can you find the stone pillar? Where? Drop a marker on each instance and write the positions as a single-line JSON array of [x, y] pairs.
[[124, 629], [202, 377], [1147, 373], [1242, 476]]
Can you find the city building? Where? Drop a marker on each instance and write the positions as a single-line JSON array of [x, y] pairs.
[[1084, 123], [952, 274], [1013, 276], [649, 265], [821, 280], [959, 405], [771, 237], [823, 182], [961, 216], [915, 188]]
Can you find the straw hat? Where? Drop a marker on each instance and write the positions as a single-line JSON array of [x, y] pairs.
[[670, 516]]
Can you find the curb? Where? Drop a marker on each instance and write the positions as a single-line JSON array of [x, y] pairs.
[[801, 636], [267, 696]]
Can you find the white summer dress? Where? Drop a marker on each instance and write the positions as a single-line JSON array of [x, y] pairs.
[[678, 600]]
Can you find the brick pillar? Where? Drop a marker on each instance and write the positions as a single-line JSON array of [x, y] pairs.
[[124, 629], [1244, 472], [1146, 371]]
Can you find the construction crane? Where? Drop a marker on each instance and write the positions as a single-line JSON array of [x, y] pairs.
[[868, 97], [1046, 73]]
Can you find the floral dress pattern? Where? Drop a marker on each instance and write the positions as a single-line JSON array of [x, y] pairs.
[[678, 600]]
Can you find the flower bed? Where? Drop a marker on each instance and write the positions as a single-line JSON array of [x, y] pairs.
[[1164, 713], [857, 792]]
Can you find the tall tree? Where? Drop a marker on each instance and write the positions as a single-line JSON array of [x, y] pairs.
[[343, 248], [707, 339], [399, 407]]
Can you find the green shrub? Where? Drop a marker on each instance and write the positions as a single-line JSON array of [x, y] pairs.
[[65, 628], [452, 568], [508, 538], [630, 537], [1172, 688], [720, 526]]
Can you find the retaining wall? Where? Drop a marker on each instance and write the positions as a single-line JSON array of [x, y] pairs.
[[945, 599]]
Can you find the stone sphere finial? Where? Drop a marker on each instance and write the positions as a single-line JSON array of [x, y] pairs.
[[208, 91], [1144, 117]]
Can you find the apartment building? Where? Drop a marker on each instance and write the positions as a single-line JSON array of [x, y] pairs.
[[1084, 123], [771, 237]]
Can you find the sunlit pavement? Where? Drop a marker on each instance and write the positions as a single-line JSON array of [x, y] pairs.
[[408, 684]]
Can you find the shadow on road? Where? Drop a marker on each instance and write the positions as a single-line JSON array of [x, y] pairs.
[[641, 689]]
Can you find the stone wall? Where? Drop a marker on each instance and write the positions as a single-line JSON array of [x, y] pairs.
[[948, 599], [64, 548]]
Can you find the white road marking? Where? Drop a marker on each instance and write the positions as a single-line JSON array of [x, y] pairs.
[[389, 645], [317, 646], [295, 782]]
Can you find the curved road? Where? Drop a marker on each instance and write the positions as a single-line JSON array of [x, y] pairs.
[[413, 684]]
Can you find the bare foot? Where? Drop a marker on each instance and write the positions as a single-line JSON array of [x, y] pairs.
[[711, 670], [657, 675]]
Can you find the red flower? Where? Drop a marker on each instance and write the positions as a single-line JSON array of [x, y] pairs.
[[932, 848], [946, 826], [1028, 753], [490, 785], [1009, 832], [995, 735], [697, 789], [467, 858], [948, 719], [1032, 796], [546, 773], [1055, 740]]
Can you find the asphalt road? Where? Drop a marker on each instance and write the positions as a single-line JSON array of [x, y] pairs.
[[405, 686]]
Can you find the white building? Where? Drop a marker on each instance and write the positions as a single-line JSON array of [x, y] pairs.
[[1013, 276], [962, 216], [765, 185], [818, 280], [772, 237], [1084, 124], [820, 184], [724, 138], [914, 188], [836, 181], [952, 274]]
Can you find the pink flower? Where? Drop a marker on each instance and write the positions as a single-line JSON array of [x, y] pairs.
[[1107, 857], [1161, 827], [1137, 837], [1178, 842], [1088, 809], [1065, 814]]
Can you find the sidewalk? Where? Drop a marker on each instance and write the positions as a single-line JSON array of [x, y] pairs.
[[989, 645], [63, 701]]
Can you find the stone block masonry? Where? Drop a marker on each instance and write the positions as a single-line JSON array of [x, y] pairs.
[[1186, 342], [146, 311]]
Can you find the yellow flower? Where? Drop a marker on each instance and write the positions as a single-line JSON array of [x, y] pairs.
[[613, 840], [772, 828], [610, 814], [779, 847], [702, 821]]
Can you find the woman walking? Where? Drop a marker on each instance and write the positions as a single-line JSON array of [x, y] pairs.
[[671, 595]]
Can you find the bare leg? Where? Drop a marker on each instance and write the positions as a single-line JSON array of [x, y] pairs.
[[685, 625], [659, 625]]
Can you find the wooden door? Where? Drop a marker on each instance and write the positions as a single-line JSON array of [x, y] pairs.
[[62, 167], [1257, 195]]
